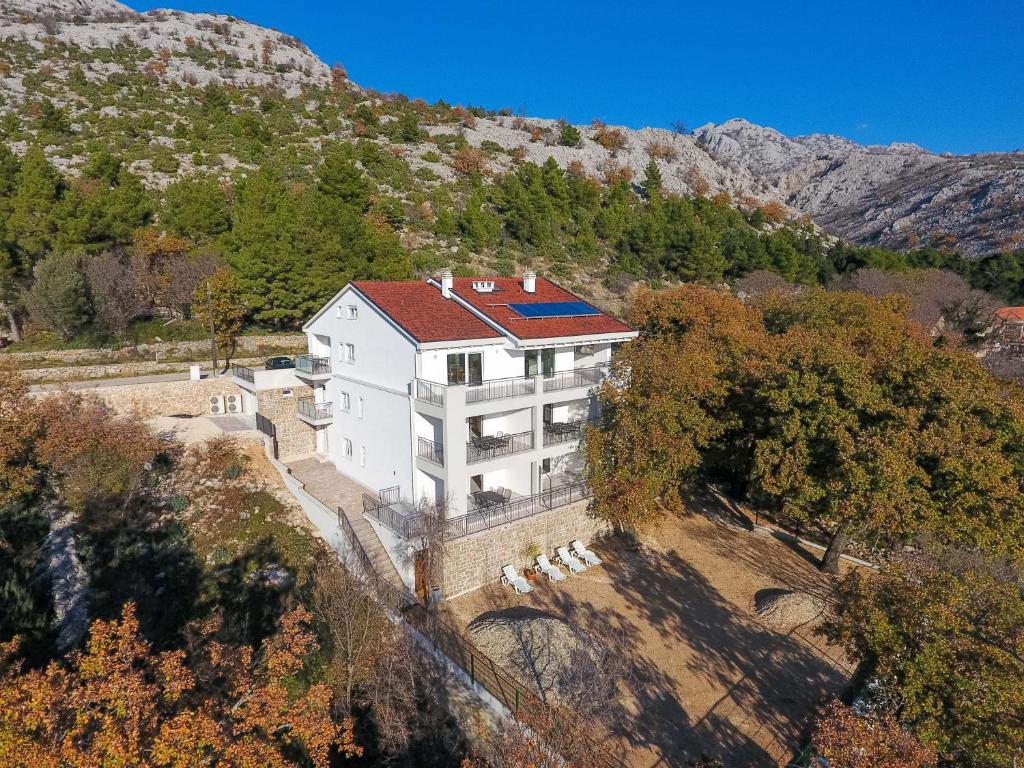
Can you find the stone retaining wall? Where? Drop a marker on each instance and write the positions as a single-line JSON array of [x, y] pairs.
[[117, 370], [475, 560], [252, 345], [164, 398]]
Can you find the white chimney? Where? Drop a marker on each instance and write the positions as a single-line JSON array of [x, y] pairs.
[[446, 283], [530, 281]]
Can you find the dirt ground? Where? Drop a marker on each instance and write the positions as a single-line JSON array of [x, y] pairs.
[[705, 677]]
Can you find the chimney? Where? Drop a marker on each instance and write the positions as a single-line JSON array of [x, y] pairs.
[[446, 283], [530, 281]]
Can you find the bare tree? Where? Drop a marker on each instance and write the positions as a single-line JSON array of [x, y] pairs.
[[115, 291], [178, 279], [432, 534], [760, 283]]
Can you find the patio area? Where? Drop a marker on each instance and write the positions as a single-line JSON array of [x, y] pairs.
[[704, 675]]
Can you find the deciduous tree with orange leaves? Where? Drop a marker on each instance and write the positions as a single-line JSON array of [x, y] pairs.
[[118, 703], [848, 740]]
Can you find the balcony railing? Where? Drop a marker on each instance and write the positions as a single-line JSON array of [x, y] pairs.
[[496, 389], [516, 509], [314, 410], [578, 377], [490, 447], [564, 431], [431, 451], [243, 373], [388, 516], [429, 392], [313, 365]]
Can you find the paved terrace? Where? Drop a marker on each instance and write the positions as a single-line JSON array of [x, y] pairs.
[[333, 489]]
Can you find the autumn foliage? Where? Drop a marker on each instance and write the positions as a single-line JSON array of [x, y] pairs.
[[118, 703], [848, 740]]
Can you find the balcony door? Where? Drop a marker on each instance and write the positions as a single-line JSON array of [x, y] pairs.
[[465, 369], [475, 368], [543, 363]]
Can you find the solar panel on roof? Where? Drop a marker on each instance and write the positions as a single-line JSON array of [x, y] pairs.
[[539, 309]]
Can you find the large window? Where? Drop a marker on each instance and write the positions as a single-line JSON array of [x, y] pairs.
[[539, 361], [348, 448], [465, 368], [456, 369], [346, 401]]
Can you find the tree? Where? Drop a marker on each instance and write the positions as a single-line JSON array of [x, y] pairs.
[[18, 424], [115, 291], [32, 224], [118, 702], [569, 135], [652, 182], [59, 298], [196, 207], [848, 740], [941, 632], [218, 302]]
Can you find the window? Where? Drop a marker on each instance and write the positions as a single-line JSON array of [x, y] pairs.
[[286, 393], [349, 355], [545, 466], [547, 362], [340, 310], [346, 401], [359, 406], [348, 448], [352, 312], [456, 369], [362, 455]]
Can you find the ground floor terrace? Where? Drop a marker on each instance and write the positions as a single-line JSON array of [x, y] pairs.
[[704, 675]]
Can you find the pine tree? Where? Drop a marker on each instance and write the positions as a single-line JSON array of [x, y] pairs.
[[32, 224], [59, 297], [652, 182]]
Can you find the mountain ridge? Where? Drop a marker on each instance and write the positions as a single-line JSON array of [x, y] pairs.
[[897, 195]]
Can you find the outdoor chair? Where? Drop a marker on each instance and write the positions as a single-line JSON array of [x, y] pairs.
[[585, 554], [512, 579], [553, 572], [570, 561], [507, 493]]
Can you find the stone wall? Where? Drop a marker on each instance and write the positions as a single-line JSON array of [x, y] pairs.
[[294, 437], [163, 398], [118, 370], [247, 345], [475, 560]]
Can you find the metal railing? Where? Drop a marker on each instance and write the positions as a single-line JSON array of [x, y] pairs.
[[390, 495], [498, 446], [564, 431], [313, 410], [481, 519], [495, 389], [578, 377], [243, 373], [430, 450], [388, 516], [429, 392], [313, 365]]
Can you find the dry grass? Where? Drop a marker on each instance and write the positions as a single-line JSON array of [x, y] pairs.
[[708, 678]]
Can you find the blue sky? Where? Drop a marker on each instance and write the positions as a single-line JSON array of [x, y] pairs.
[[946, 75]]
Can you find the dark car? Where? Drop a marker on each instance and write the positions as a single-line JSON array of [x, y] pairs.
[[277, 363]]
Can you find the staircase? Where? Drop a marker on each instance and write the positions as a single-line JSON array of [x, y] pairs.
[[368, 539]]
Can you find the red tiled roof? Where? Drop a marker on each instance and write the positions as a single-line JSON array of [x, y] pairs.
[[425, 315], [1012, 314], [509, 290]]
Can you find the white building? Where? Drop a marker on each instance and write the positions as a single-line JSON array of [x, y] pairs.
[[459, 389]]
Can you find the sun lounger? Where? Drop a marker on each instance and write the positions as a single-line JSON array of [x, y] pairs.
[[586, 555], [512, 579], [553, 572], [570, 561]]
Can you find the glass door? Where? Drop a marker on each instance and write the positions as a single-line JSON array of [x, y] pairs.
[[475, 368], [547, 362], [530, 363], [456, 369]]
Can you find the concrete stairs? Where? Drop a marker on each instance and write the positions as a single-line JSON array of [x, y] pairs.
[[382, 562]]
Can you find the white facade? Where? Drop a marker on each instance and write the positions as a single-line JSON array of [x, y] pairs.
[[401, 417]]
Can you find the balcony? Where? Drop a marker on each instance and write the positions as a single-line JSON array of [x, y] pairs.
[[489, 447], [496, 389], [564, 431], [429, 392], [313, 413], [482, 518], [578, 377], [312, 367], [430, 450]]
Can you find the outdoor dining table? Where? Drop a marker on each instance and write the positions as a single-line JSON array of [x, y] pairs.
[[489, 498]]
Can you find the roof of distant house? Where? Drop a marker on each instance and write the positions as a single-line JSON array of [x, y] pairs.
[[423, 313], [495, 305], [1011, 314]]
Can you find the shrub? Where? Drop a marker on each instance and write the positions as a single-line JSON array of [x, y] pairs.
[[662, 150], [468, 160], [569, 136], [431, 157], [611, 139]]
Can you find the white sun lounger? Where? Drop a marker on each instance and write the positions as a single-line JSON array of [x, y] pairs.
[[512, 579], [585, 554], [553, 572], [570, 561]]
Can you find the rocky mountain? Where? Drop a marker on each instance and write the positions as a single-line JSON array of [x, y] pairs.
[[133, 82]]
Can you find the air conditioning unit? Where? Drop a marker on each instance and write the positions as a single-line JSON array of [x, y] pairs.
[[233, 403], [217, 404]]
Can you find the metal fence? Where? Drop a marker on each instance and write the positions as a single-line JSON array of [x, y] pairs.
[[578, 377], [517, 509], [430, 450], [314, 410], [313, 365], [564, 432], [429, 392], [483, 449], [495, 389], [243, 373]]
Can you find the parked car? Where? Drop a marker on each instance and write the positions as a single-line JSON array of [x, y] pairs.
[[277, 363]]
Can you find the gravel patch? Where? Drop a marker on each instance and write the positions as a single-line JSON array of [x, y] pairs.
[[784, 611]]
